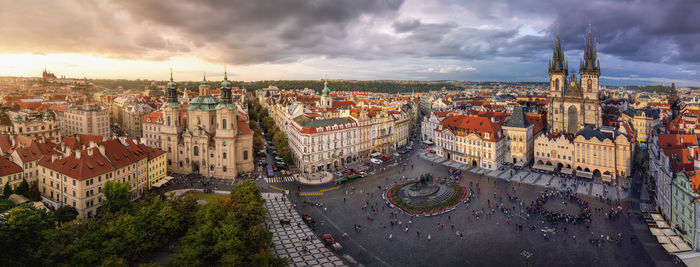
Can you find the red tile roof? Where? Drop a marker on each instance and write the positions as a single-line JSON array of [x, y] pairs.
[[85, 167], [85, 139], [674, 141], [243, 127], [150, 151], [118, 154], [475, 124], [8, 167], [31, 153], [537, 120], [134, 149], [153, 117], [337, 104]]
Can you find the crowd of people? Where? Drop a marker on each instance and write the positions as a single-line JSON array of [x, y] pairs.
[[539, 207]]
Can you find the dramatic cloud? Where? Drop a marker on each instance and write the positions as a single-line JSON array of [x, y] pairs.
[[439, 39]]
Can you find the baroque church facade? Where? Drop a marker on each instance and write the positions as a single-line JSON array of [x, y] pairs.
[[213, 140], [573, 102]]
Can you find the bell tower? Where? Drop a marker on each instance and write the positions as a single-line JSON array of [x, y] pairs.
[[172, 110], [558, 70], [590, 69]]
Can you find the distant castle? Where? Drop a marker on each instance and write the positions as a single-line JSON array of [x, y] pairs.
[[46, 75]]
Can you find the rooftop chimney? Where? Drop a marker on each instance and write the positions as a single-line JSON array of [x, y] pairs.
[[89, 152], [681, 136], [102, 150], [77, 154], [68, 151], [53, 157]]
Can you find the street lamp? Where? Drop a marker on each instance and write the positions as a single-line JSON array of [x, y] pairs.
[[526, 254]]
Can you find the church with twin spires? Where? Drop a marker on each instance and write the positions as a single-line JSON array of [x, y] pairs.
[[573, 102], [208, 136]]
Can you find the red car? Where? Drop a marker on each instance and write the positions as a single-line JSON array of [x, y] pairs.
[[346, 171], [431, 151], [385, 157]]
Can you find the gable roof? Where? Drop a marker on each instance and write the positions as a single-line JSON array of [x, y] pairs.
[[118, 154], [90, 164], [473, 124], [8, 167]]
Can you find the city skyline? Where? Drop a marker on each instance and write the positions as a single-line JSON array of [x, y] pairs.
[[353, 40]]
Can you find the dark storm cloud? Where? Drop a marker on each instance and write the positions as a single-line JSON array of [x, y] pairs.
[[489, 32], [260, 31], [637, 30]]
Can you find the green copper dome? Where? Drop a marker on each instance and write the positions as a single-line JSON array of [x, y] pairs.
[[18, 118], [326, 91], [47, 116], [205, 102]]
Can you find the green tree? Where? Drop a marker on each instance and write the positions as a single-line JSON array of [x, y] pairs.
[[34, 194], [6, 204], [229, 233], [20, 234], [23, 188], [65, 214], [114, 261], [268, 123], [117, 197], [7, 190]]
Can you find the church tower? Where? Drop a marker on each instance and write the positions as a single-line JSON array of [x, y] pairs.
[[226, 111], [590, 69], [172, 126], [204, 88], [558, 70], [326, 99], [228, 149], [172, 110]]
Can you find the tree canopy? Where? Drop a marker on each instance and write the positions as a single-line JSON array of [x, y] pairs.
[[117, 196]]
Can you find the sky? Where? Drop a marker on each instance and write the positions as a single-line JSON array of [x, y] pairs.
[[638, 41]]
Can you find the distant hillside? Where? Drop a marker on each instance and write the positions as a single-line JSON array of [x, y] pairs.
[[650, 88], [337, 85]]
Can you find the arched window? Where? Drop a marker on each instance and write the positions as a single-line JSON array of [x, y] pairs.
[[196, 151], [245, 154], [224, 168], [556, 84], [224, 155], [590, 85], [168, 120], [43, 127], [211, 168], [223, 124]]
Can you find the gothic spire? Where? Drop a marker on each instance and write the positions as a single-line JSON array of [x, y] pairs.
[[590, 54], [558, 64]]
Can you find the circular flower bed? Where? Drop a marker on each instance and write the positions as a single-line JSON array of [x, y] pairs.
[[460, 193]]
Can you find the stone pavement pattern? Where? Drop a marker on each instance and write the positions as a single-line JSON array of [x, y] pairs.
[[288, 239]]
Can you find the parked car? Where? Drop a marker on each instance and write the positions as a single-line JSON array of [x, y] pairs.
[[278, 158], [386, 157], [348, 171], [376, 161], [431, 151], [280, 163], [338, 174], [409, 147], [397, 154]]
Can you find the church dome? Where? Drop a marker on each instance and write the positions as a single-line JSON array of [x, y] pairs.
[[205, 102]]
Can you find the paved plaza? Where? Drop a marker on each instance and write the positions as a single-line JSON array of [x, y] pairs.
[[533, 178], [491, 240], [291, 239]]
